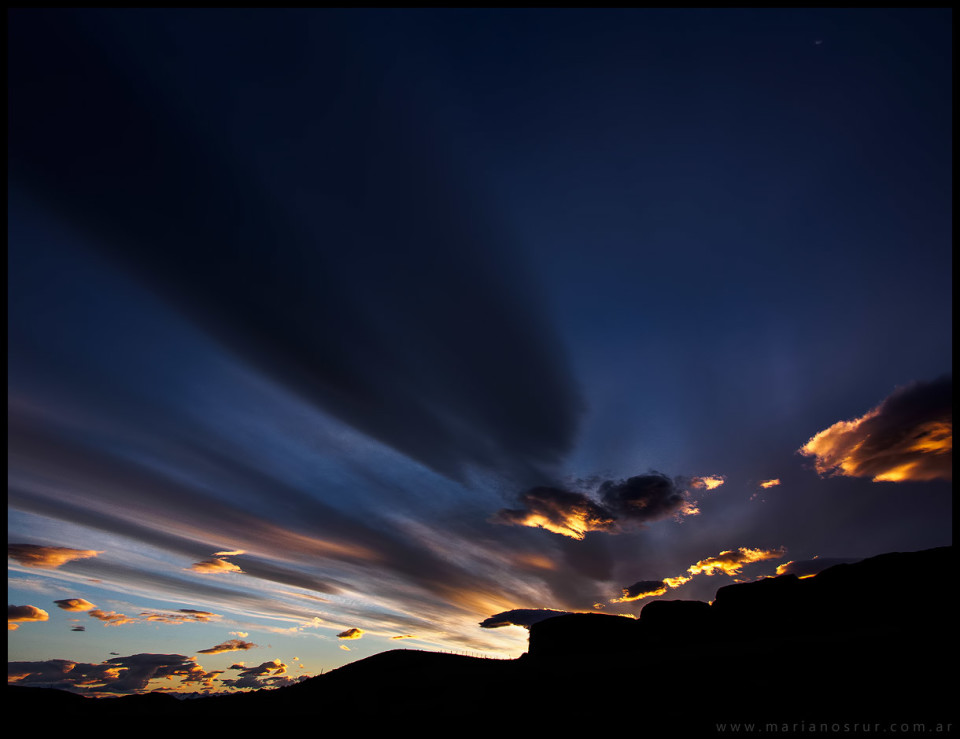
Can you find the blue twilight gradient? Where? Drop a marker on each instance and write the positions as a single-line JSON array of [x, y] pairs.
[[333, 287]]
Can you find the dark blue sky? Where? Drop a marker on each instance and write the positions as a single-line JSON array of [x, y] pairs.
[[390, 300]]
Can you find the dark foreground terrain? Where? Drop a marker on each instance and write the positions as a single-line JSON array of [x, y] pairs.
[[863, 648]]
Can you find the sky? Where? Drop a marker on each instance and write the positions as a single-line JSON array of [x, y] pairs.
[[332, 332]]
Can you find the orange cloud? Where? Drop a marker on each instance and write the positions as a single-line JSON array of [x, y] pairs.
[[229, 554], [268, 674], [34, 555], [75, 604], [111, 618], [642, 589], [676, 582], [909, 436], [350, 634], [404, 636], [344, 647], [210, 566], [537, 561], [708, 483], [810, 567], [731, 561], [17, 615], [184, 615], [560, 511], [233, 645], [615, 506], [769, 483]]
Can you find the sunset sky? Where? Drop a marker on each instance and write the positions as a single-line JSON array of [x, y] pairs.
[[333, 332]]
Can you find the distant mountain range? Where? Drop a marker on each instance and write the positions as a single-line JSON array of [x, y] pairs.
[[864, 646]]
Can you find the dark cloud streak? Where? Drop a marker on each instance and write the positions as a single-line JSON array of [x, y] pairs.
[[381, 295], [525, 617]]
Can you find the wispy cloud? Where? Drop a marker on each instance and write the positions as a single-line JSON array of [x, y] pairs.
[[462, 310], [75, 604], [769, 483], [353, 633], [908, 436], [184, 615], [111, 618]]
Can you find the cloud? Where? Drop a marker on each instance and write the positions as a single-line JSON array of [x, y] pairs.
[[230, 554], [614, 506], [266, 674], [44, 557], [240, 634], [118, 675], [650, 497], [344, 647], [39, 672], [209, 566], [731, 561], [908, 436], [810, 567], [184, 615], [642, 589], [393, 276], [525, 617], [403, 636], [764, 485], [233, 645], [350, 634], [708, 483], [199, 615], [392, 557], [111, 618], [78, 628], [560, 511], [136, 671], [17, 615], [74, 604]]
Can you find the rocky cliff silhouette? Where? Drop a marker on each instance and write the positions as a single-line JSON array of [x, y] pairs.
[[868, 643]]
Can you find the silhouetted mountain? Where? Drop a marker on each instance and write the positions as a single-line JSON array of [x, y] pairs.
[[864, 643]]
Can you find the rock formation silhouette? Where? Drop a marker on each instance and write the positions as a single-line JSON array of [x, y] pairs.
[[866, 643]]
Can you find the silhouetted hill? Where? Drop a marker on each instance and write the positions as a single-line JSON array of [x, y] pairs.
[[864, 643]]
